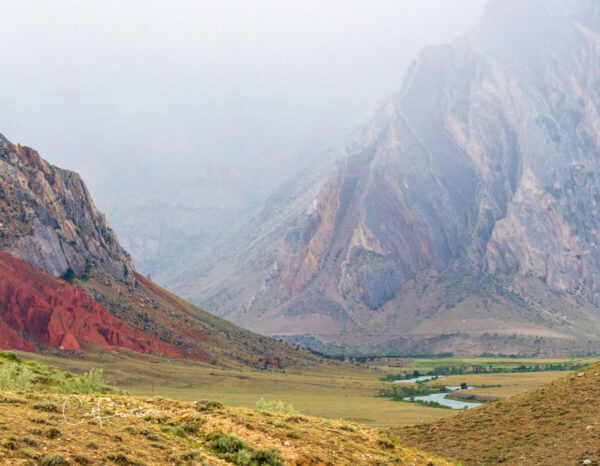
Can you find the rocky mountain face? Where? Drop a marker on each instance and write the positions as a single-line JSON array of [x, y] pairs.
[[52, 234], [39, 308], [484, 167], [48, 218]]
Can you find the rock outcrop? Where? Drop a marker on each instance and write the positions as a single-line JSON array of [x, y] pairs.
[[48, 218], [38, 308], [488, 156]]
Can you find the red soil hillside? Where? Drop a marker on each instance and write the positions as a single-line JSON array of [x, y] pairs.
[[37, 307]]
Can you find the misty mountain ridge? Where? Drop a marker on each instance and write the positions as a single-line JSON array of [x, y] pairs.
[[482, 170]]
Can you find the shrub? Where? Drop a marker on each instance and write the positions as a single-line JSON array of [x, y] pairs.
[[276, 406], [227, 444], [11, 356], [15, 376], [267, 457], [53, 433], [82, 459], [90, 382], [53, 460], [46, 406], [235, 450], [243, 458], [190, 455], [68, 276], [29, 441], [297, 419], [92, 445], [192, 426], [176, 431], [154, 437], [207, 406], [121, 459], [10, 444], [385, 443]]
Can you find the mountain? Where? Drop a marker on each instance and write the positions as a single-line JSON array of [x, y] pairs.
[[554, 424], [465, 217], [52, 312], [49, 218], [67, 284]]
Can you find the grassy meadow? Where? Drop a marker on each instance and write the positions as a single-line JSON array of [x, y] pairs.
[[347, 392]]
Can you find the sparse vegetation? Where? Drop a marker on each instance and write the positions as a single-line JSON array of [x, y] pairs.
[[207, 406], [235, 450], [553, 424], [178, 432], [19, 375], [275, 406], [487, 368], [54, 460], [398, 392]]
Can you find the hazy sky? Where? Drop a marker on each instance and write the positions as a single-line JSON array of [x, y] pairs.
[[130, 92]]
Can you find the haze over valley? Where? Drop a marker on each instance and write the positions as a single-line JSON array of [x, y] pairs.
[[271, 233]]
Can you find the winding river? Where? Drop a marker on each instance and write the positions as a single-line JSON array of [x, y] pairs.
[[441, 397]]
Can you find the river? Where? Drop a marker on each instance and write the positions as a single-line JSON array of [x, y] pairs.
[[440, 397]]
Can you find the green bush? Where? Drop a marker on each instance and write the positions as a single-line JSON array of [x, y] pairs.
[[235, 450], [15, 376], [267, 457], [207, 406], [90, 382], [227, 444], [275, 406], [11, 356], [176, 431], [243, 458]]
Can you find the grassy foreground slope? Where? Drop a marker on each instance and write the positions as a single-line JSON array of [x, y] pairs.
[[43, 422], [557, 424]]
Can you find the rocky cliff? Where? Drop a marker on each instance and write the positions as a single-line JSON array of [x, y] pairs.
[[483, 168], [49, 221], [37, 308], [48, 218]]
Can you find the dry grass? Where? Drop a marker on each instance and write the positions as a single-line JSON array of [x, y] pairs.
[[183, 433], [557, 424], [344, 391], [510, 384]]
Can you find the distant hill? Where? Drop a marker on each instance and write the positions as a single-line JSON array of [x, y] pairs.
[[66, 283], [464, 217], [557, 424]]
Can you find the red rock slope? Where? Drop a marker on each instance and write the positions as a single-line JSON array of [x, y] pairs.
[[37, 307]]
